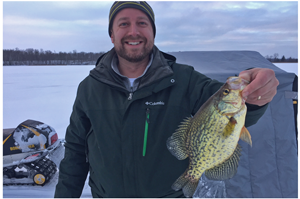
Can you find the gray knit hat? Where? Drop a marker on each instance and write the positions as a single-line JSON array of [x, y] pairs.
[[141, 5]]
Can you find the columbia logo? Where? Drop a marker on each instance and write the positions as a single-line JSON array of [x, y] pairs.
[[155, 103]]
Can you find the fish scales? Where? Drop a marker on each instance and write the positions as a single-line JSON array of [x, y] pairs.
[[207, 150], [210, 138]]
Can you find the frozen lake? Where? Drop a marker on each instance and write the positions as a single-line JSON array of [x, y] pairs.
[[46, 94], [288, 67]]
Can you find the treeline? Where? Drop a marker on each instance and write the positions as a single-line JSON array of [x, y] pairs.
[[32, 56], [276, 59]]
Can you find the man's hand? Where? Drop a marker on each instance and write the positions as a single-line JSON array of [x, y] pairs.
[[262, 87]]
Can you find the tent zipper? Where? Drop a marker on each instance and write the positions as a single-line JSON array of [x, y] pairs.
[[146, 131]]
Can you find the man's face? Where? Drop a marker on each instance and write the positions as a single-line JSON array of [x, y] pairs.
[[132, 35]]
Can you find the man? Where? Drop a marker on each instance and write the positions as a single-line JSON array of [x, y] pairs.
[[132, 101]]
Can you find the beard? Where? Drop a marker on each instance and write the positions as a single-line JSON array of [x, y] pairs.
[[134, 55]]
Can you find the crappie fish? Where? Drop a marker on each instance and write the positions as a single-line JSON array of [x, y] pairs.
[[210, 138]]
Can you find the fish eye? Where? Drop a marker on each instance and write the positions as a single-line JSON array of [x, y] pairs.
[[226, 92]]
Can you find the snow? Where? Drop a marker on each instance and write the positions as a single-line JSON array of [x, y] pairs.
[[47, 191], [47, 94], [288, 67], [24, 140]]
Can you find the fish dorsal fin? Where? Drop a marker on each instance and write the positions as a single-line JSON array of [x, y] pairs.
[[177, 142], [226, 169], [245, 136], [229, 128]]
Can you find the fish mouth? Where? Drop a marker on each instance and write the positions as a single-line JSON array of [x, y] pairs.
[[235, 104], [231, 102], [237, 79], [237, 83]]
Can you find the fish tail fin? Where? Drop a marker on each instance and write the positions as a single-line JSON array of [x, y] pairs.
[[188, 187], [177, 142], [245, 136]]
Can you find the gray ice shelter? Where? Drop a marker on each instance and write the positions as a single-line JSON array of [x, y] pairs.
[[270, 168]]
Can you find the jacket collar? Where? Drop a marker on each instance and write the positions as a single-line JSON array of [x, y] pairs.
[[159, 69], [126, 79]]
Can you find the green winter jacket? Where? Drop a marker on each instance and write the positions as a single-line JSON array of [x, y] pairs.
[[120, 137]]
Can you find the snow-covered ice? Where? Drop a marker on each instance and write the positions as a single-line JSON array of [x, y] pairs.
[[47, 191], [43, 93], [47, 94]]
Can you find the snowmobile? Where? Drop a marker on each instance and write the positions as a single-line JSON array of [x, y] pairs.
[[31, 153]]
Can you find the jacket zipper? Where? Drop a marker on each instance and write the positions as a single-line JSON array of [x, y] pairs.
[[146, 131], [130, 94]]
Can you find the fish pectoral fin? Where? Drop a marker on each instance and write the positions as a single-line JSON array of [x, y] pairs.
[[180, 182], [245, 136], [226, 169], [177, 142], [188, 187], [229, 128]]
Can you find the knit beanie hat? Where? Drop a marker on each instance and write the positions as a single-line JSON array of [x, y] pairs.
[[141, 5]]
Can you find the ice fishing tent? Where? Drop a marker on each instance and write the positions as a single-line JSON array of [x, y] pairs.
[[270, 168]]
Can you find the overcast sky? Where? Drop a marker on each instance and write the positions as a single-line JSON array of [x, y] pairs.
[[267, 27]]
